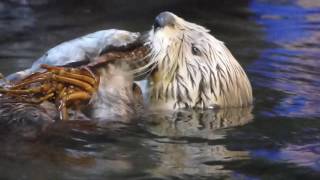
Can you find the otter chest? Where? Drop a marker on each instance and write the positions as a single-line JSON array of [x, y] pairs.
[[184, 89]]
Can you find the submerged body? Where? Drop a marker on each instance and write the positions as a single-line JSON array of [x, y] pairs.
[[25, 119]]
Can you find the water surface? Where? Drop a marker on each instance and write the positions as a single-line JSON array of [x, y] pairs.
[[277, 42]]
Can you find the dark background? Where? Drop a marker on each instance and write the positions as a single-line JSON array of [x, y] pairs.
[[277, 43], [28, 28]]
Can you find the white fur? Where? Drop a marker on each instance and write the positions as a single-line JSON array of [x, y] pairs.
[[210, 79]]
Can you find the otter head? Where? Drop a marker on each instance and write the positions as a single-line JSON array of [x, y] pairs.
[[191, 68]]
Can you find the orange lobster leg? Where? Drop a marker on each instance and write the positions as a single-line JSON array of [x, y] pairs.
[[80, 95], [84, 71], [84, 74], [39, 101], [42, 88], [32, 76], [74, 82], [25, 83], [52, 68], [80, 77], [63, 112], [68, 98]]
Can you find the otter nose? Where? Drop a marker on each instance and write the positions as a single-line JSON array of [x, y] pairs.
[[163, 19]]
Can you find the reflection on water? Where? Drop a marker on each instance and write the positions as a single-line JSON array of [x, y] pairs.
[[169, 144], [291, 63], [276, 41], [197, 123], [183, 138], [306, 155]]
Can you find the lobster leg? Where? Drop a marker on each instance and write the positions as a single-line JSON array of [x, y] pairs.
[[42, 99], [80, 95], [75, 96], [28, 82], [42, 88], [63, 112], [86, 75], [74, 82]]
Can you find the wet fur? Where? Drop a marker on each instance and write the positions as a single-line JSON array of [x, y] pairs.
[[191, 68]]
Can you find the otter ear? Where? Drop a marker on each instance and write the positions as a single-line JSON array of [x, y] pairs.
[[195, 50]]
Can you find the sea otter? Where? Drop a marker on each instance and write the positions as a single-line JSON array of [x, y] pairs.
[[191, 68]]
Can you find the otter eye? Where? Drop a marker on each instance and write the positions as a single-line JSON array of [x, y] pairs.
[[195, 51]]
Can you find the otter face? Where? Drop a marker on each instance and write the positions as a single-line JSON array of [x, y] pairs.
[[191, 68]]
